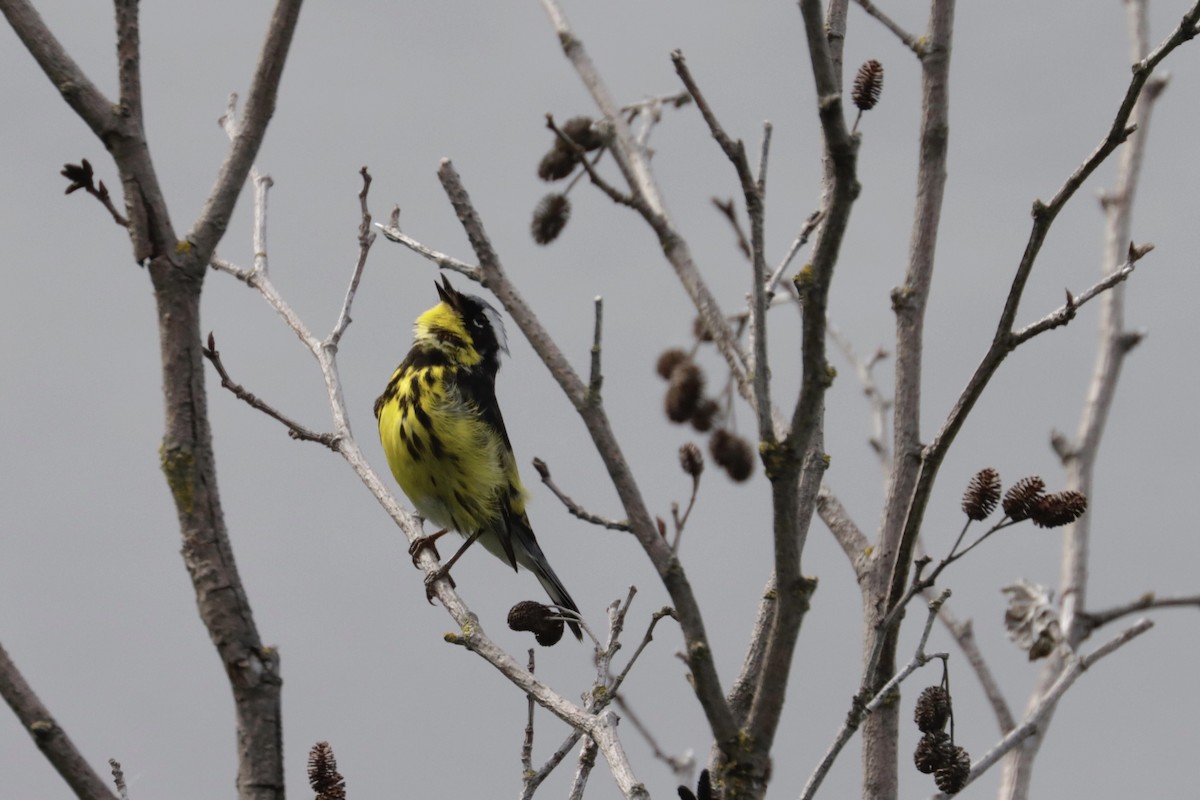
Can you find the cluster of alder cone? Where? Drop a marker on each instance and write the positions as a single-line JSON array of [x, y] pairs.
[[937, 753], [552, 212], [685, 402], [1025, 499]]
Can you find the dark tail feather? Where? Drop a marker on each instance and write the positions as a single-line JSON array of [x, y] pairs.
[[523, 545], [558, 593]]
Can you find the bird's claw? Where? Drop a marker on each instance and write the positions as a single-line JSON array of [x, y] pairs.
[[432, 578], [419, 545]]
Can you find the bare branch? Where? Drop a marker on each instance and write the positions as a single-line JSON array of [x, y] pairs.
[[573, 507], [879, 405], [295, 429], [810, 224], [614, 194], [52, 740], [1036, 716], [596, 379], [119, 779], [753, 193], [853, 541], [910, 41], [681, 766], [862, 708], [964, 635], [1044, 216], [635, 167], [1091, 620], [1067, 311], [365, 239], [392, 232], [260, 106], [83, 96]]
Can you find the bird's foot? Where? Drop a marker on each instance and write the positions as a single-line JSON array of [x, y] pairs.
[[432, 578], [423, 543]]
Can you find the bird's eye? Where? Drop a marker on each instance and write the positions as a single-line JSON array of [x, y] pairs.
[[478, 323]]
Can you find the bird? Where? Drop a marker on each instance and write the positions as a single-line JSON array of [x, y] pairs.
[[446, 444]]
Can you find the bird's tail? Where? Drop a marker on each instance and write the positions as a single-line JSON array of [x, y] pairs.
[[522, 547], [558, 593]]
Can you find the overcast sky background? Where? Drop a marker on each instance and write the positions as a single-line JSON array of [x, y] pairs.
[[95, 604]]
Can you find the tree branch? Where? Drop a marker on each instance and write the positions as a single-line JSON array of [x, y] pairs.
[[259, 108], [52, 740], [1036, 716]]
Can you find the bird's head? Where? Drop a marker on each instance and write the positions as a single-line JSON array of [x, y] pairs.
[[466, 328]]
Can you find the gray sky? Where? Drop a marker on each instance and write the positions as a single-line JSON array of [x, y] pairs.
[[96, 607]]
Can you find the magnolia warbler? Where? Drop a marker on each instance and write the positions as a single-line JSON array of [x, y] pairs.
[[446, 443]]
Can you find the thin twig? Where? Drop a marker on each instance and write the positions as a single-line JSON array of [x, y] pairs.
[[52, 740], [365, 239], [910, 41], [119, 778], [1066, 312], [801, 239], [596, 379], [614, 194], [681, 521], [527, 740], [392, 232], [681, 766], [1092, 620], [1034, 718], [577, 510], [861, 708], [598, 701], [729, 211], [964, 636], [295, 429], [879, 405]]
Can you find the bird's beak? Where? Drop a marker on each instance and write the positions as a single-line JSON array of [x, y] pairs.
[[447, 293]]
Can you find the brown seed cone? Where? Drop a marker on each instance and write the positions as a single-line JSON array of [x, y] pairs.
[[541, 620], [1058, 509], [581, 132], [733, 454], [1022, 496], [323, 777], [868, 84], [550, 217], [668, 360], [705, 414], [953, 777], [933, 752], [685, 392], [933, 709], [691, 459], [558, 163], [982, 494]]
